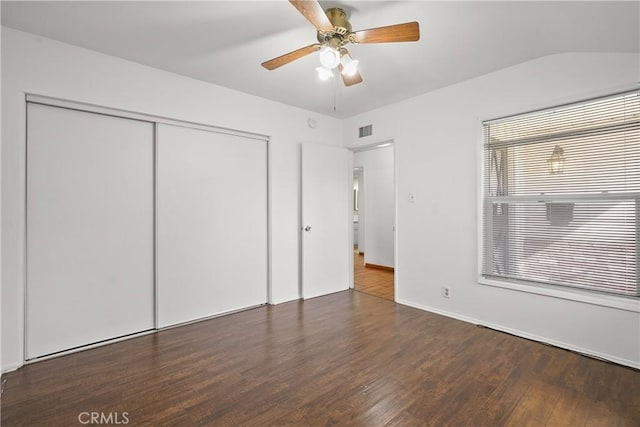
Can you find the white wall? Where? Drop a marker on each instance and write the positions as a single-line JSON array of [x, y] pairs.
[[438, 141], [379, 204], [42, 66], [361, 213], [1, 365]]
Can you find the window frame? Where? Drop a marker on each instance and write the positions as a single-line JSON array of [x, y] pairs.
[[623, 302]]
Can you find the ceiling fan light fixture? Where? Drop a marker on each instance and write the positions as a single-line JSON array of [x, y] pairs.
[[329, 57], [324, 74], [334, 32], [349, 65]]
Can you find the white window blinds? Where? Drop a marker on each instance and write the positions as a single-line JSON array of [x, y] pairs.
[[561, 196]]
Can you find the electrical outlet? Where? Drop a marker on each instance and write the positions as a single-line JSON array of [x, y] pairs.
[[446, 292]]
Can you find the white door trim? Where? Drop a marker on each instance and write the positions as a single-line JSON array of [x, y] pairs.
[[374, 146], [112, 111]]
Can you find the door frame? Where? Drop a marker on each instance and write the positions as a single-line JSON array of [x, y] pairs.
[[374, 146]]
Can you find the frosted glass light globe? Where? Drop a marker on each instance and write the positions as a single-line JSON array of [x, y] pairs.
[[324, 74], [349, 66], [329, 57]]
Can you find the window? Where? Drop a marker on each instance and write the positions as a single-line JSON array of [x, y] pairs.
[[561, 196]]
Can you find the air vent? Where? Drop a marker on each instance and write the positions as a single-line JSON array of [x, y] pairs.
[[365, 131]]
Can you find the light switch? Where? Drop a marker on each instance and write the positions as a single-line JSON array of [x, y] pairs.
[[412, 197]]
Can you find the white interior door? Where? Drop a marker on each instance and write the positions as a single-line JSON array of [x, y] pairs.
[[327, 223], [89, 228], [211, 223]]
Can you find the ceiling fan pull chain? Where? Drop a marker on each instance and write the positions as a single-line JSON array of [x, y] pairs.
[[334, 93], [336, 87]]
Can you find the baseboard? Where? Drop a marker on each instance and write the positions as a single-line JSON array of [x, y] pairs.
[[210, 317], [378, 267], [285, 300], [522, 334], [305, 298], [12, 367]]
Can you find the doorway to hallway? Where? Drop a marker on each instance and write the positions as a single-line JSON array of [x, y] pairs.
[[374, 220], [372, 280]]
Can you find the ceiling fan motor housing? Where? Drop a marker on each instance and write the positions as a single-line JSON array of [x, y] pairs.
[[341, 28]]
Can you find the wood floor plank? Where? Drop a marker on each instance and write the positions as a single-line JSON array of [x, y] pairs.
[[343, 359], [372, 281]]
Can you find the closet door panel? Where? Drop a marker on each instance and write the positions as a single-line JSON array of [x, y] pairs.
[[90, 266], [211, 223]]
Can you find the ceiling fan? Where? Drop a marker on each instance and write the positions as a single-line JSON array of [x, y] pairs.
[[334, 33]]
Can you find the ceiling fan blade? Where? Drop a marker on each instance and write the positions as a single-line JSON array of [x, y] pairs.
[[407, 32], [312, 10], [290, 57], [350, 80]]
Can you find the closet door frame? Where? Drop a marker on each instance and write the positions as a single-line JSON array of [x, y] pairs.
[[155, 120]]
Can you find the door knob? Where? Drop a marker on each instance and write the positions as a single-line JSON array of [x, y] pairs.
[[307, 228]]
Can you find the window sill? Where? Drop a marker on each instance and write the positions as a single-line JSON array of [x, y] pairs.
[[621, 303]]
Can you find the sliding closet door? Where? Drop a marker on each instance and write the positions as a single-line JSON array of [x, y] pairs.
[[90, 267], [211, 222]]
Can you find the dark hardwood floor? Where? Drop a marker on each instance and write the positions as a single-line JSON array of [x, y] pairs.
[[343, 359], [372, 281]]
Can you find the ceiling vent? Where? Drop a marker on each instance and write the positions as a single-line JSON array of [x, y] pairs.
[[365, 131]]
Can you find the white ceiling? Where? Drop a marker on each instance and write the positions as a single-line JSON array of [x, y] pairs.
[[224, 42]]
